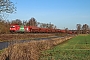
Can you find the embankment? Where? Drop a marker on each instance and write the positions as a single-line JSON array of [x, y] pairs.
[[30, 50], [16, 37]]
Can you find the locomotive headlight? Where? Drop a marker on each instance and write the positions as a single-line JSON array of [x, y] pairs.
[[27, 29], [13, 26]]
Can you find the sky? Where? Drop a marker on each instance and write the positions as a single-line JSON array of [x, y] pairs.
[[62, 13]]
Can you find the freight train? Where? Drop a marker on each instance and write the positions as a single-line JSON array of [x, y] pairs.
[[15, 28]]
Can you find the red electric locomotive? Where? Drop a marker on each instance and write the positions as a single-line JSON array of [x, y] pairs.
[[14, 28], [19, 28]]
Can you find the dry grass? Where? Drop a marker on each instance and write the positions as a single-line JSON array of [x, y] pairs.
[[31, 50], [22, 51], [83, 34], [9, 37]]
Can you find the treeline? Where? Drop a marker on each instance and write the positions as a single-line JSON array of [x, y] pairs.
[[83, 29], [5, 25]]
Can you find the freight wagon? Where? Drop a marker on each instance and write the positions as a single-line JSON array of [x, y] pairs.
[[33, 29]]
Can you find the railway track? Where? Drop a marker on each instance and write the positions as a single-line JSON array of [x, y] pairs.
[[10, 37]]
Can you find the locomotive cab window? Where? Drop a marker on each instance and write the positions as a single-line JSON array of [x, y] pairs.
[[12, 27]]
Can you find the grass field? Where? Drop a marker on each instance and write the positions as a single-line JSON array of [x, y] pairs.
[[78, 48]]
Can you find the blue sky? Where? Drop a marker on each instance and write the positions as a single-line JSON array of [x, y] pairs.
[[62, 13]]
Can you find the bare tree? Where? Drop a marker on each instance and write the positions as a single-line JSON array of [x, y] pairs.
[[17, 21], [85, 29], [6, 6], [38, 24], [78, 26], [43, 25], [32, 22], [47, 25], [24, 22], [66, 29], [55, 27]]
